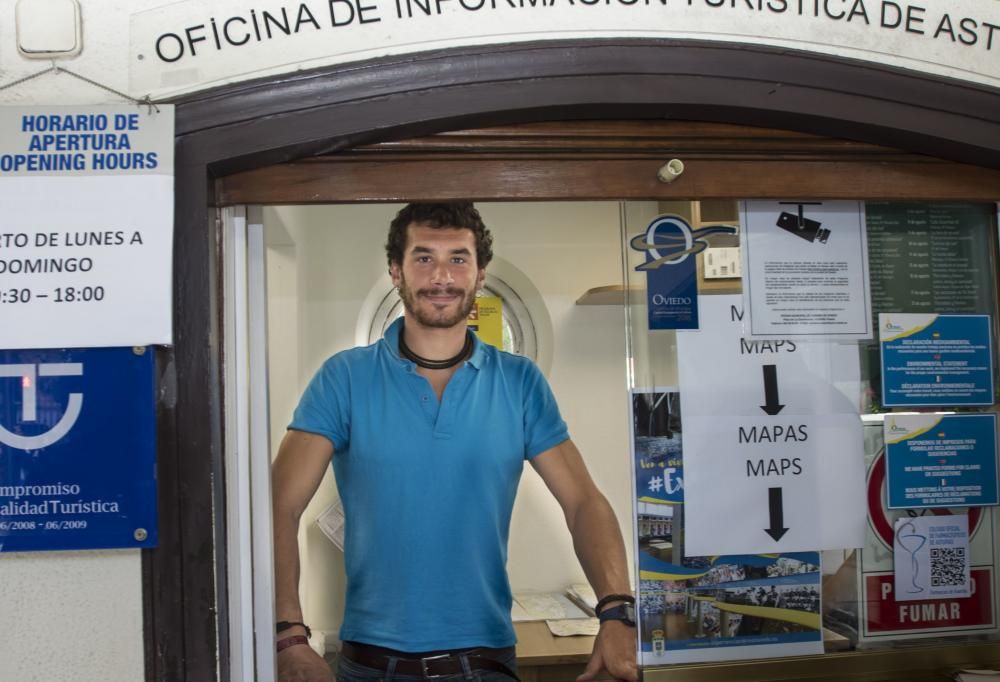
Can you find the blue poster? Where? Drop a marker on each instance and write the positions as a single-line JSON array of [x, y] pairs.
[[936, 460], [671, 276], [693, 608], [77, 449], [936, 360]]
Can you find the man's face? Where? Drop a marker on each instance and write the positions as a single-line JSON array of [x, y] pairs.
[[439, 276]]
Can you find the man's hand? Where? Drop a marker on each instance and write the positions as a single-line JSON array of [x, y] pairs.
[[614, 651], [301, 664]]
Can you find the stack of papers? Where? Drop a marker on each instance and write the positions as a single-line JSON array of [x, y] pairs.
[[562, 616], [544, 606], [583, 596]]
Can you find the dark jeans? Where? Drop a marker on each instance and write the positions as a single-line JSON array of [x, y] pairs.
[[349, 671]]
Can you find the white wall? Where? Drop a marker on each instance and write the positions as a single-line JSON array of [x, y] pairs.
[[71, 616], [564, 249]]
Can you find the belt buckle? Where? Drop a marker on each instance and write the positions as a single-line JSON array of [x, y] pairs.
[[423, 666]]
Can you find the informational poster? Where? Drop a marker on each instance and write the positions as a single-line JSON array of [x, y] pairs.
[[881, 616], [77, 449], [938, 460], [806, 269], [936, 360], [86, 243], [931, 554], [707, 608], [926, 257], [671, 278], [772, 437], [486, 320]]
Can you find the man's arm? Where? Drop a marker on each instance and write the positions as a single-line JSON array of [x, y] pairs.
[[296, 473], [598, 543]]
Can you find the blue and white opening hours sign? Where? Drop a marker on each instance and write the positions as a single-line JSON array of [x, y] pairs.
[[941, 460], [86, 245], [77, 449]]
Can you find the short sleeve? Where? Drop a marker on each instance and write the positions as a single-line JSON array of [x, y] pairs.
[[324, 408], [544, 427]]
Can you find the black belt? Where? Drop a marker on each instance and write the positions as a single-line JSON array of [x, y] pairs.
[[429, 665]]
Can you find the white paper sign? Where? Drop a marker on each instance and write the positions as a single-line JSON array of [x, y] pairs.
[[931, 555], [773, 448], [86, 234], [806, 266]]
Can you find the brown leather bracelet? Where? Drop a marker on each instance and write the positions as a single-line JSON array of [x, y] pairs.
[[607, 599], [291, 641]]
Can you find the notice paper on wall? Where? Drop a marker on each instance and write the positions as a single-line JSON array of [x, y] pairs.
[[931, 555], [86, 240], [941, 460], [774, 458], [707, 608], [806, 269], [936, 359]]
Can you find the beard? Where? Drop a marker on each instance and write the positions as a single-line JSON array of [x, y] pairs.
[[428, 314]]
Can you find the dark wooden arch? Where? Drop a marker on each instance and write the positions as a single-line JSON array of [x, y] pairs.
[[263, 122]]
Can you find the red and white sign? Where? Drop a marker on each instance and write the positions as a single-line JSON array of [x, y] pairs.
[[882, 617], [886, 616]]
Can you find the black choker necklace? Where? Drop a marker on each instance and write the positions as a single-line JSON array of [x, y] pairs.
[[463, 354]]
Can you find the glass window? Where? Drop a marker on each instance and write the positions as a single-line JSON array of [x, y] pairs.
[[924, 257]]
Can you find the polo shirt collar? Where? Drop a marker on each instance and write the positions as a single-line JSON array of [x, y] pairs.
[[391, 338]]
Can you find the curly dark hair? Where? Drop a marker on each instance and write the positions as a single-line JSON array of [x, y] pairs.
[[456, 214]]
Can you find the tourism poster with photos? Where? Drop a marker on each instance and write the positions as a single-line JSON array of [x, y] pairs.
[[693, 609]]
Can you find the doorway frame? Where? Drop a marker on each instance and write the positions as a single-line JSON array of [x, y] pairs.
[[259, 123]]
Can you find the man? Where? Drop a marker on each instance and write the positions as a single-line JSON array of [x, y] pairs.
[[428, 430]]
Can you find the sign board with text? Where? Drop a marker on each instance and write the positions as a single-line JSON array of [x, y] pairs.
[[936, 359], [708, 608], [932, 558], [86, 236], [670, 246], [806, 269], [885, 617], [941, 460], [185, 45], [772, 439], [925, 257], [77, 449]]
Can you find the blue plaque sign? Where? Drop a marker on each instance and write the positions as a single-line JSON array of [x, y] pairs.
[[933, 360], [671, 277], [936, 460], [77, 449]]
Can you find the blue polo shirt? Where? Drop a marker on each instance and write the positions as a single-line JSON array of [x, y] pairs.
[[428, 488]]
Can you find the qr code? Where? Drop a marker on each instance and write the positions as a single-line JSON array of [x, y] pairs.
[[948, 567]]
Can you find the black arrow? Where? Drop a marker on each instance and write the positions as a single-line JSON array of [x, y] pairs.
[[777, 510], [771, 391]]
